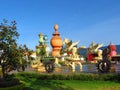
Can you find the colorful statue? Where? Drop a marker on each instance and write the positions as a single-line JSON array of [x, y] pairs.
[[71, 50], [42, 50], [109, 52], [75, 56], [94, 53], [112, 48]]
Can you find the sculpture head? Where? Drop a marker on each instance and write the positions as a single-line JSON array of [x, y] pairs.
[[94, 48], [69, 44], [40, 35], [66, 41]]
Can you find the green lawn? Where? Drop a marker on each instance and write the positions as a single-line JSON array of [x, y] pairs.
[[71, 85], [35, 84]]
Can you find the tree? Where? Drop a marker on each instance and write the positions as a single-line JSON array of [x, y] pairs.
[[8, 37]]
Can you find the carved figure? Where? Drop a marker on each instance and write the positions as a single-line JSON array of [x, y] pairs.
[[72, 51], [42, 50], [94, 52]]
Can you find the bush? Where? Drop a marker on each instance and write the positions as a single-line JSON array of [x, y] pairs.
[[82, 77], [16, 87], [8, 83], [13, 84], [27, 75]]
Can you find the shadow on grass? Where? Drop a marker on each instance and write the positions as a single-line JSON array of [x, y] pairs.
[[33, 84]]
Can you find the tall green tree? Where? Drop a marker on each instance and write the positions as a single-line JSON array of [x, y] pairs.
[[8, 37]]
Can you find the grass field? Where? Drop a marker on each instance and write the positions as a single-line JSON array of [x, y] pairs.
[[35, 84], [71, 85]]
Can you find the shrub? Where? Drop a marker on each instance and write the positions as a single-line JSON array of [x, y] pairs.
[[13, 84], [16, 87], [8, 83], [82, 77], [27, 75]]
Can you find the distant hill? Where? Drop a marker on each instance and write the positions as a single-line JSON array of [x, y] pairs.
[[84, 51], [118, 48]]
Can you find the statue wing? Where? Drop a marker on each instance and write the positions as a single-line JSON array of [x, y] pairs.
[[99, 46], [73, 44]]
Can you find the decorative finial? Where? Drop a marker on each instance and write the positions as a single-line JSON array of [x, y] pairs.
[[40, 34], [56, 27]]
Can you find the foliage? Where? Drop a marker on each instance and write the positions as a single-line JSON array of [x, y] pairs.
[[12, 54], [8, 36]]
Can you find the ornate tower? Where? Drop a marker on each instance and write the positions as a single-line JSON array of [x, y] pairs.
[[56, 42]]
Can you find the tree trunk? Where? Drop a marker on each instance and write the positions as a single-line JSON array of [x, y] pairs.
[[3, 71], [3, 74]]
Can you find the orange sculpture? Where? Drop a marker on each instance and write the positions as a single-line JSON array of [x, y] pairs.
[[56, 42]]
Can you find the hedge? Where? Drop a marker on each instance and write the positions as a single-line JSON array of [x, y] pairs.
[[81, 76]]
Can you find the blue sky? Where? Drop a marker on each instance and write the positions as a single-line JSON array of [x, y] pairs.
[[84, 20]]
